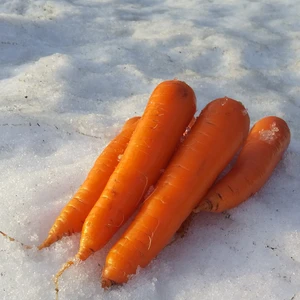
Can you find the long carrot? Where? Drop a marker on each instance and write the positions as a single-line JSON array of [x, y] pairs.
[[215, 137], [73, 215], [168, 113], [263, 149]]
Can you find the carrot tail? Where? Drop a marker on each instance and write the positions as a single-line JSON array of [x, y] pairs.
[[66, 266], [107, 283], [14, 240], [205, 205], [49, 241]]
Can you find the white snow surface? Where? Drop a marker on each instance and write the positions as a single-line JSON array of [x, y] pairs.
[[71, 73]]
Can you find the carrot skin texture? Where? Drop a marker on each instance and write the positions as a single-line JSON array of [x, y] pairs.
[[169, 110], [262, 151], [73, 215], [215, 137]]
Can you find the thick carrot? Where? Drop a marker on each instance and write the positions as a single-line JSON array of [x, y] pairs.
[[168, 113], [73, 215], [215, 137], [263, 149]]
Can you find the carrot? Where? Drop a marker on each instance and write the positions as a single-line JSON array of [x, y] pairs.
[[168, 113], [263, 149], [73, 215], [215, 137]]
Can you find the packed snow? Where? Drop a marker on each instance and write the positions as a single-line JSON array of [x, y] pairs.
[[71, 73]]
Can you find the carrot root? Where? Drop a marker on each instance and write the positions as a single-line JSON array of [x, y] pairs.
[[14, 240], [205, 205], [106, 283], [66, 266]]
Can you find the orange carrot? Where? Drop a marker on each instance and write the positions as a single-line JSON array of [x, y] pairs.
[[168, 113], [263, 149], [73, 215], [215, 137]]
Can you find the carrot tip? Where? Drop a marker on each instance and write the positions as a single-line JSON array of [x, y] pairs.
[[46, 243], [106, 283], [205, 205]]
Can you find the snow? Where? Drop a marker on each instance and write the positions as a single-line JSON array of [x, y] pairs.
[[72, 71], [269, 135]]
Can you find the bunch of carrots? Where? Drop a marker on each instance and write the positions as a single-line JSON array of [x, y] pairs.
[[165, 164]]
